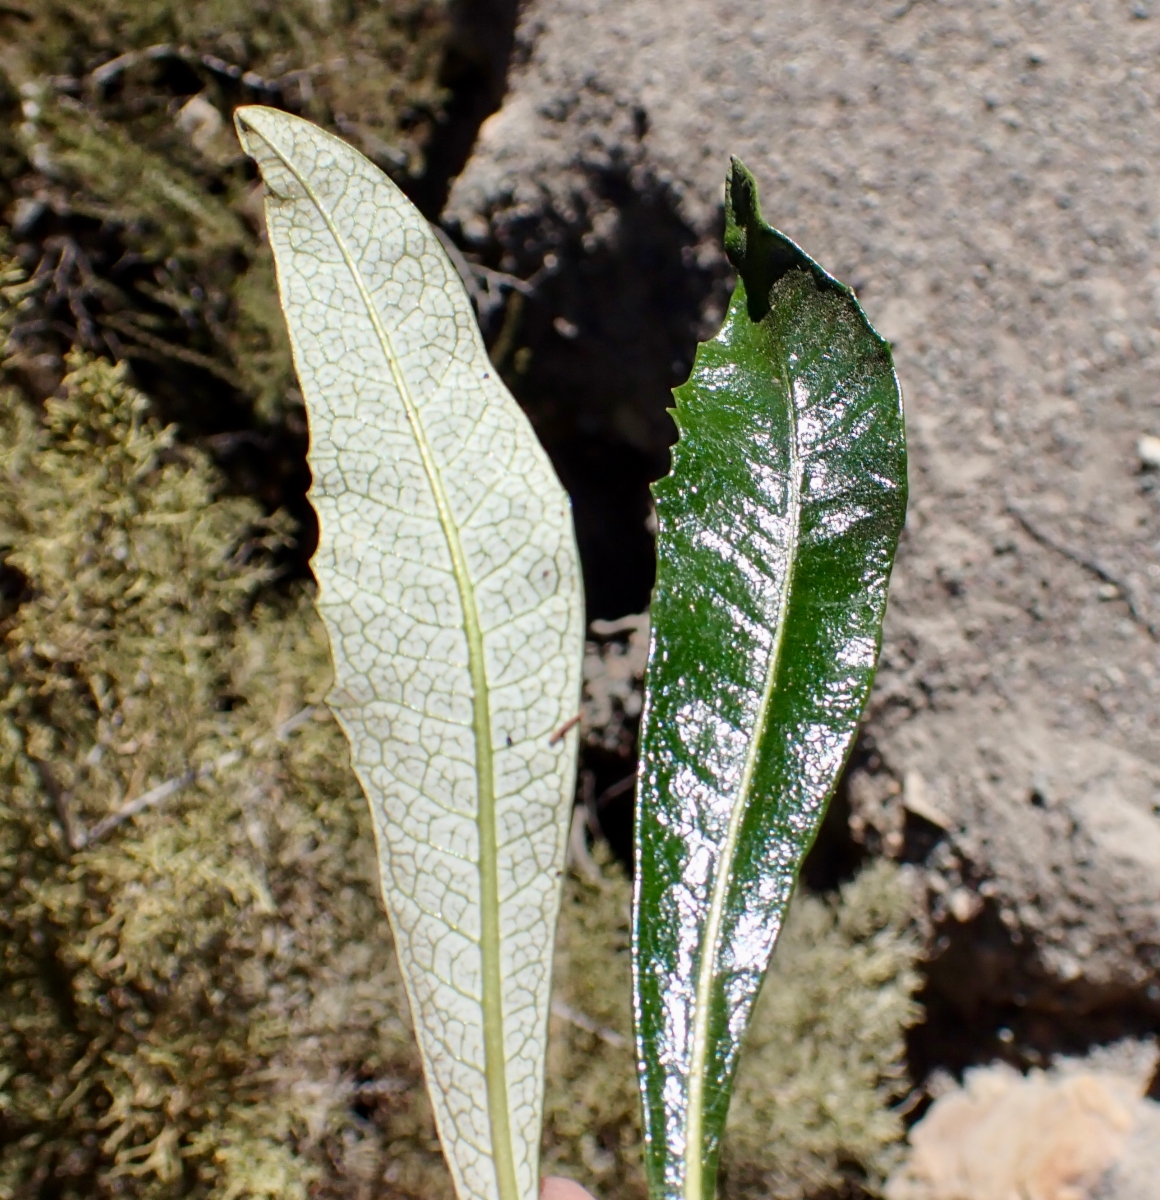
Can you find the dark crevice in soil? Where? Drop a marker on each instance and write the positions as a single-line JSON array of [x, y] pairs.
[[613, 799], [611, 328], [985, 1001], [608, 482], [984, 993], [474, 70], [836, 856]]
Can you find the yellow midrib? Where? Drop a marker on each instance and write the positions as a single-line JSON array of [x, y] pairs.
[[492, 994], [723, 872]]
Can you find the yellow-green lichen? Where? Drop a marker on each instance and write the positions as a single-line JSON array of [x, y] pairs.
[[193, 1004]]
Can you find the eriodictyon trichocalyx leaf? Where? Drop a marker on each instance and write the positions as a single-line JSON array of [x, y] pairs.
[[449, 584], [777, 529]]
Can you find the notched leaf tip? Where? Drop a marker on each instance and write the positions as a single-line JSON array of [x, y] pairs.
[[760, 254]]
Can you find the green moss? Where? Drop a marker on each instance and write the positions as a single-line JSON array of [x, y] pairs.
[[190, 1005], [824, 1061]]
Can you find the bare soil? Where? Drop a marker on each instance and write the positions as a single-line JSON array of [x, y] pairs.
[[986, 176]]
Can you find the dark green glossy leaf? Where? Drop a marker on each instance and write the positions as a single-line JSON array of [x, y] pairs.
[[777, 529]]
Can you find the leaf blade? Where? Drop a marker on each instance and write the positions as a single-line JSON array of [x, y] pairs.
[[449, 586], [777, 528]]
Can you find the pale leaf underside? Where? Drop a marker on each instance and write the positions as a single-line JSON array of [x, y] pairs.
[[449, 585]]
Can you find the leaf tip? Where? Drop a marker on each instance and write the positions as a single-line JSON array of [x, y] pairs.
[[742, 209], [759, 253], [248, 122]]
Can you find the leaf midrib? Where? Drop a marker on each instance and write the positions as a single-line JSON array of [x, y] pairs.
[[490, 938], [723, 873]]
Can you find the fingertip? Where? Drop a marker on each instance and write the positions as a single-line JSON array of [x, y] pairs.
[[554, 1187]]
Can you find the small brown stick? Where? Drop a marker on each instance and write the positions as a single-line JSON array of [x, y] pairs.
[[508, 331], [503, 279], [578, 855], [372, 1089], [564, 729], [160, 347], [617, 789], [109, 71], [171, 787], [148, 799], [582, 1021], [61, 802], [588, 798]]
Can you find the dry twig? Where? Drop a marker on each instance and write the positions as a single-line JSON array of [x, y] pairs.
[[163, 791], [582, 1021]]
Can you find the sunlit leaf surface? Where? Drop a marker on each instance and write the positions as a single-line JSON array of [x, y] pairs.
[[777, 529], [449, 584]]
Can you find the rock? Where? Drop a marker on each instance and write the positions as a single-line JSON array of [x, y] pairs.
[[1135, 1175], [201, 122], [1081, 1131], [1148, 448], [615, 658], [939, 158]]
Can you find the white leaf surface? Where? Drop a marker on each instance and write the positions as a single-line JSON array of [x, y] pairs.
[[449, 584]]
